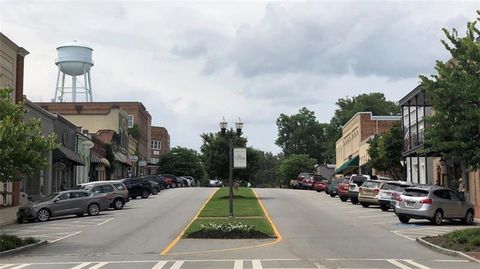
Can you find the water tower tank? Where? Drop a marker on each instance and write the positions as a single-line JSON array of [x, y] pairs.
[[74, 58]]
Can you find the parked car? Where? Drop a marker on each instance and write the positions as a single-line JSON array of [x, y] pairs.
[[301, 184], [115, 191], [388, 193], [76, 202], [343, 189], [155, 186], [327, 187], [332, 188], [138, 186], [368, 194], [356, 180], [160, 180], [172, 179], [191, 181], [321, 185], [182, 182], [434, 203], [215, 183]]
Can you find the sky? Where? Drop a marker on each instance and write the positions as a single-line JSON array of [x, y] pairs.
[[193, 62]]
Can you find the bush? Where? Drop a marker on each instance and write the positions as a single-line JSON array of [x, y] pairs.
[[8, 242], [231, 230]]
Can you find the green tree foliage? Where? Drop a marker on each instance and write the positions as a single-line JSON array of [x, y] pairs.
[[183, 162], [215, 152], [454, 93], [134, 131], [294, 165], [347, 108], [301, 133], [385, 151], [22, 144], [267, 175]]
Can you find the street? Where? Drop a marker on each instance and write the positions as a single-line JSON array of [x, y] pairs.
[[316, 232]]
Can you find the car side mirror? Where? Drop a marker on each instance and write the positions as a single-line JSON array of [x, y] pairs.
[[56, 200]]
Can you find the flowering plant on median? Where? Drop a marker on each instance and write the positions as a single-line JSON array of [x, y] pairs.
[[227, 227]]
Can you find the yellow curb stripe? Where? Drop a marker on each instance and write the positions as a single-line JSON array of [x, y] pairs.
[[275, 229], [179, 236]]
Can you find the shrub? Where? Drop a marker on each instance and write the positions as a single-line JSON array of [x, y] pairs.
[[8, 242]]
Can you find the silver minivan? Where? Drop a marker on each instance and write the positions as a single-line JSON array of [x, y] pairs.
[[434, 203]]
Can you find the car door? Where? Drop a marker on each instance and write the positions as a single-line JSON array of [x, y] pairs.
[[63, 205], [457, 207], [77, 202], [109, 191], [443, 201]]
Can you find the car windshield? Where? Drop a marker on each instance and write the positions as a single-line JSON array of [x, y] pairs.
[[371, 184], [415, 192]]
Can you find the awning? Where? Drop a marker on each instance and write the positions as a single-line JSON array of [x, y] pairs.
[[64, 153], [96, 159], [352, 163], [120, 157]]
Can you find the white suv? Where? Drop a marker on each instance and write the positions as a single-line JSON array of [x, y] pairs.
[[356, 180]]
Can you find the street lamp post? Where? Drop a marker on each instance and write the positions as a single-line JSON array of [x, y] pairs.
[[223, 128]]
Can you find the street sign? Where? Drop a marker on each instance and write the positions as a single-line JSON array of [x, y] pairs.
[[133, 158], [239, 158], [142, 163]]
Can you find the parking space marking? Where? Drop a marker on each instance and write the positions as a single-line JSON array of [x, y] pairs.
[[21, 266], [63, 237], [105, 221]]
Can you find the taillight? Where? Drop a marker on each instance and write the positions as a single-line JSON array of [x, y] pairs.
[[376, 190], [426, 201]]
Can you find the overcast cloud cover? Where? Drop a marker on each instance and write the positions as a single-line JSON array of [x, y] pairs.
[[190, 63]]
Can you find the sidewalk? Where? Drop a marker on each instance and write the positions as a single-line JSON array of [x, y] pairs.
[[8, 215]]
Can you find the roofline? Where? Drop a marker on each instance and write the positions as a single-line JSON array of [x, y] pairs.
[[391, 118], [40, 109], [410, 95], [101, 103], [20, 50]]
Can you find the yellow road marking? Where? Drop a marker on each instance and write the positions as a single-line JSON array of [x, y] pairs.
[[275, 229], [179, 236]]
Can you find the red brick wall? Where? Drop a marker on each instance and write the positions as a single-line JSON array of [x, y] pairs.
[[370, 127], [161, 134]]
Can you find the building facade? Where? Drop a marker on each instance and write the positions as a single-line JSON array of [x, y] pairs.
[[160, 146], [352, 147], [11, 76]]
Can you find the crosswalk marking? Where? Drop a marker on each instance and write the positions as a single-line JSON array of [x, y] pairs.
[[2, 266], [21, 266], [238, 264], [256, 264], [98, 265], [417, 264], [80, 266], [159, 265], [177, 265], [398, 264]]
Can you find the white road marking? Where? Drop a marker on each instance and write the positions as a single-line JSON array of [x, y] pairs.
[[82, 265], [2, 266], [404, 236], [256, 264], [98, 265], [105, 221], [21, 266], [63, 237], [398, 264], [238, 264], [319, 265], [451, 260], [417, 264], [177, 265], [159, 265]]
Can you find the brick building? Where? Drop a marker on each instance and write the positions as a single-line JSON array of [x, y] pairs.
[[11, 76], [352, 147], [159, 147]]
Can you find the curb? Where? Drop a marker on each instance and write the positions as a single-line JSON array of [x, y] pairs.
[[450, 252], [20, 249]]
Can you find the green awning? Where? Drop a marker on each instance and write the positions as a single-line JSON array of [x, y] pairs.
[[353, 162]]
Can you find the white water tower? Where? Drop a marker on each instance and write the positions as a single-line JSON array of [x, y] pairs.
[[74, 60]]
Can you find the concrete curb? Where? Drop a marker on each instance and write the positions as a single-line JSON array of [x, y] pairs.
[[6, 223], [450, 252], [20, 249]]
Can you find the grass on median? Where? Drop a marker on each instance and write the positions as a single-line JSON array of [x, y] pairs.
[[467, 240], [246, 210], [8, 242]]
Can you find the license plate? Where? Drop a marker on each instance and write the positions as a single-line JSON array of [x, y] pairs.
[[409, 204]]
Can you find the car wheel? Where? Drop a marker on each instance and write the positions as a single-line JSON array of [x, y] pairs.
[[332, 195], [354, 201], [437, 217], [145, 194], [43, 215], [384, 207], [19, 220], [343, 198], [404, 219], [469, 217], [93, 210], [155, 191], [118, 204], [365, 205]]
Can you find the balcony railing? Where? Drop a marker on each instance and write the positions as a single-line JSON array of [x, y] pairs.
[[414, 140]]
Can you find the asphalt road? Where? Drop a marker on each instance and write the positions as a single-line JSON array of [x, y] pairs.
[[317, 232]]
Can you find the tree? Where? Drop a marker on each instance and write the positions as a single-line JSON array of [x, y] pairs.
[[294, 165], [347, 108], [385, 151], [454, 93], [215, 155], [301, 133], [22, 144], [267, 174], [183, 162]]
